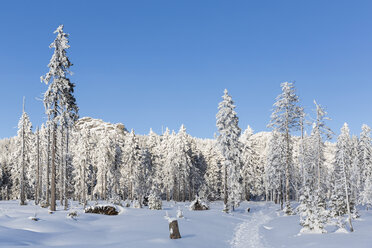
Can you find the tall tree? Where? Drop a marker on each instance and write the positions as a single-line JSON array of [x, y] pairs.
[[58, 99], [24, 142], [365, 164], [286, 118], [228, 143], [340, 200], [320, 131]]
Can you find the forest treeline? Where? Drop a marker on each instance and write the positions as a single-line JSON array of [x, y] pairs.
[[68, 158]]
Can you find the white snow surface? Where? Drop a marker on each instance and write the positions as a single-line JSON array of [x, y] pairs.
[[264, 226]]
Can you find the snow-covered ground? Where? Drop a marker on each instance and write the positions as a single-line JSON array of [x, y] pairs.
[[264, 226]]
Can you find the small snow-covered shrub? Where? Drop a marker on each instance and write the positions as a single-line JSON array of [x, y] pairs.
[[102, 209], [116, 200], [155, 202], [72, 214], [198, 205], [136, 204], [179, 213], [313, 214], [127, 203], [34, 218], [44, 204]]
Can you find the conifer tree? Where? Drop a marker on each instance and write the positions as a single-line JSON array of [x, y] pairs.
[[285, 118], [365, 165], [58, 99], [23, 154], [340, 200], [228, 143]]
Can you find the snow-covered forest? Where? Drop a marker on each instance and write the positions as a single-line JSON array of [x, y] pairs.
[[84, 159]]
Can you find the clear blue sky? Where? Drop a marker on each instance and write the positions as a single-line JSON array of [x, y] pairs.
[[164, 63]]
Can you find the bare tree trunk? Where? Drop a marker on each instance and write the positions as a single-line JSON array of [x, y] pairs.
[[65, 169], [22, 179], [61, 168], [225, 200], [287, 175], [347, 198], [53, 181], [48, 166], [38, 179]]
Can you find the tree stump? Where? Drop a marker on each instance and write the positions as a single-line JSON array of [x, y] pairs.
[[174, 230]]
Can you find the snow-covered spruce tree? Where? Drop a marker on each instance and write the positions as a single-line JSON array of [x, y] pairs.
[[340, 199], [153, 145], [228, 143], [37, 158], [82, 158], [105, 160], [141, 176], [183, 163], [213, 175], [58, 98], [24, 141], [274, 167], [252, 171], [312, 209], [320, 132], [131, 160], [355, 175], [284, 119], [365, 165], [168, 170], [312, 219]]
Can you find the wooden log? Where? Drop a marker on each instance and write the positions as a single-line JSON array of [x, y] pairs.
[[174, 230]]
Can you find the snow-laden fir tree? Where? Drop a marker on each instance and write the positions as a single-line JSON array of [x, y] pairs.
[[131, 160], [340, 203], [213, 174], [153, 145], [169, 170], [58, 98], [311, 219], [275, 167], [183, 163], [82, 158], [365, 165], [24, 141], [105, 160], [252, 171], [285, 118], [355, 174], [320, 131], [312, 209], [229, 144]]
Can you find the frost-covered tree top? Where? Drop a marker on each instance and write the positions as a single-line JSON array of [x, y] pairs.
[[321, 117], [59, 63], [24, 125], [59, 99], [286, 113], [227, 123]]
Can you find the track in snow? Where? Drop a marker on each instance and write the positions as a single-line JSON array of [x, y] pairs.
[[247, 234]]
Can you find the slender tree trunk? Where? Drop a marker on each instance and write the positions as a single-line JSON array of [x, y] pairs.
[[225, 200], [347, 198], [48, 166], [22, 179], [38, 179], [65, 171], [83, 185], [61, 168], [53, 179]]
